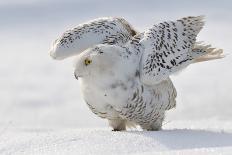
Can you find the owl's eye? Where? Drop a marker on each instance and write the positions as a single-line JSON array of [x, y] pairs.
[[88, 61]]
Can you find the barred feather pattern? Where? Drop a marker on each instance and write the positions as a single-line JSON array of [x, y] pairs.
[[128, 81], [168, 48], [108, 30], [146, 105]]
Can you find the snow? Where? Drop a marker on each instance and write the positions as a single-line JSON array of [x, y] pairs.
[[41, 108], [104, 141]]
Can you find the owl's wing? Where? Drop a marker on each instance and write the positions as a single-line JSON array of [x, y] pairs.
[[99, 31], [170, 46]]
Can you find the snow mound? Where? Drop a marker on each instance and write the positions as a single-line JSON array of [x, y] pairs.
[[104, 141]]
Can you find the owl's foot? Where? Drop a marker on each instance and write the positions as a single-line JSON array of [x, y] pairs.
[[117, 124], [155, 126], [115, 130]]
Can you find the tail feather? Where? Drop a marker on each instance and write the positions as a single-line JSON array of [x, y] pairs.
[[206, 53]]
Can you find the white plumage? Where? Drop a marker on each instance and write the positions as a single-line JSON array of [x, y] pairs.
[[124, 74]]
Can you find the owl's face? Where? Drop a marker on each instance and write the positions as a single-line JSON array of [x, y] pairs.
[[96, 61]]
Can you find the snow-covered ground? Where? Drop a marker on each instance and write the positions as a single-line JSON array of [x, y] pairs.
[[195, 140], [41, 109]]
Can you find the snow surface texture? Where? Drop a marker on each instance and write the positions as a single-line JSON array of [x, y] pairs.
[[40, 98], [103, 141]]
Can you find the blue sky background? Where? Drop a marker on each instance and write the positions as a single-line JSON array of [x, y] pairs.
[[36, 90]]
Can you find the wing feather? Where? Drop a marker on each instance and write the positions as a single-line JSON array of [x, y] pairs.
[[99, 31], [168, 47]]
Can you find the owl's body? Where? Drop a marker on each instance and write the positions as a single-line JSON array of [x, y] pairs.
[[124, 75], [124, 99]]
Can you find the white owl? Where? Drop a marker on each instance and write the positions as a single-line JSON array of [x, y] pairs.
[[124, 74]]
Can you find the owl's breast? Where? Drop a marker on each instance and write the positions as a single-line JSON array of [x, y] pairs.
[[105, 100]]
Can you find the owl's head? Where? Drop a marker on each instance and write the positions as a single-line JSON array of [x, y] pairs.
[[96, 61]]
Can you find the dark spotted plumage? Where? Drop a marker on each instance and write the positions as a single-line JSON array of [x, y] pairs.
[[128, 80], [99, 31], [175, 40]]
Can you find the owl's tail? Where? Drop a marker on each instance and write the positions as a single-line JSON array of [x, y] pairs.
[[209, 53]]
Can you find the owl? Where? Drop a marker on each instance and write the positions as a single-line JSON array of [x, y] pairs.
[[124, 74]]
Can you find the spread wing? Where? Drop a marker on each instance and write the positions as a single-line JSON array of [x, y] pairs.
[[169, 47], [99, 31]]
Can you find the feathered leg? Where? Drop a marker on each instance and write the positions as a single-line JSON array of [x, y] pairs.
[[154, 126], [117, 124]]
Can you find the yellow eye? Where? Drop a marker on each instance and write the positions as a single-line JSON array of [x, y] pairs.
[[88, 61]]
